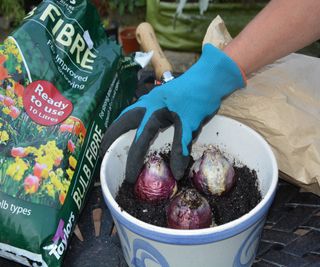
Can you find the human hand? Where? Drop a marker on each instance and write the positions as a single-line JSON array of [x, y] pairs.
[[184, 102]]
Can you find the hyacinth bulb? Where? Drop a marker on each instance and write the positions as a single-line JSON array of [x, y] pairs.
[[189, 210], [212, 174], [155, 182]]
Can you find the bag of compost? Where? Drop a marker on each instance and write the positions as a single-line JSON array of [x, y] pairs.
[[62, 81]]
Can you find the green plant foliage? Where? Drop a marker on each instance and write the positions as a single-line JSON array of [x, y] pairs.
[[123, 6], [12, 10], [185, 32], [203, 6]]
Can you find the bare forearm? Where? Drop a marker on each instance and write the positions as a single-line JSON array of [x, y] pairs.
[[282, 27]]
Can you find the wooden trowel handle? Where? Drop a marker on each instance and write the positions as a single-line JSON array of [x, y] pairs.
[[148, 41]]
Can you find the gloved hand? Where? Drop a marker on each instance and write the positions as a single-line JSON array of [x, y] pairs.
[[185, 102]]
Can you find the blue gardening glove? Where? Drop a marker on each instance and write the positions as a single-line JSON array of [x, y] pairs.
[[185, 102]]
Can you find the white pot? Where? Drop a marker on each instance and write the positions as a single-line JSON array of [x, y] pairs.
[[233, 244]]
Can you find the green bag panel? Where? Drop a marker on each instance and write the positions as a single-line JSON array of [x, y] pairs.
[[186, 32]]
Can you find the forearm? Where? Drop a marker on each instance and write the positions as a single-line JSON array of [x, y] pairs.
[[282, 27]]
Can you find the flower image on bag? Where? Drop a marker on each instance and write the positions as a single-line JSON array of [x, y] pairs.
[[36, 170]]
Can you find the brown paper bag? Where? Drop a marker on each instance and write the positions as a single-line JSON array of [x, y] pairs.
[[282, 103]]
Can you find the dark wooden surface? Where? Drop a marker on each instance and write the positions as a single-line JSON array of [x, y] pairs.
[[291, 235]]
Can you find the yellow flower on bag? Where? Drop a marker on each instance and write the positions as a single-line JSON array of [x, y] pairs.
[[39, 127], [50, 190], [6, 110], [4, 136], [72, 162], [59, 172], [30, 149], [66, 184], [18, 69], [47, 154], [11, 48], [70, 173], [10, 93], [17, 169], [56, 182], [20, 102]]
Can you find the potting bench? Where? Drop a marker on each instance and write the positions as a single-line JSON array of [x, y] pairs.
[[291, 235]]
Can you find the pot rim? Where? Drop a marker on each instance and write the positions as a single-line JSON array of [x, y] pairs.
[[198, 236]]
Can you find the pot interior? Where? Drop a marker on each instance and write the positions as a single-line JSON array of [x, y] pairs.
[[238, 142]]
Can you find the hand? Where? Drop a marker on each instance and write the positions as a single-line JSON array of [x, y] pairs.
[[184, 102]]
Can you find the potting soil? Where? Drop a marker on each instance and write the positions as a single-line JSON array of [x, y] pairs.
[[242, 198]]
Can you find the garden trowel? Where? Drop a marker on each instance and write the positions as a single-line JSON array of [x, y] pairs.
[[148, 41]]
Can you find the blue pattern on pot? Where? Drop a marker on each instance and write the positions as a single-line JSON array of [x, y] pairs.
[[143, 250], [124, 239], [249, 247]]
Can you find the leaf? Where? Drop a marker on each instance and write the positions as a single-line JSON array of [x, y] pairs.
[[130, 6], [140, 3], [122, 6]]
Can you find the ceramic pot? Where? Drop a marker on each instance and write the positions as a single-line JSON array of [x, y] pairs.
[[233, 244]]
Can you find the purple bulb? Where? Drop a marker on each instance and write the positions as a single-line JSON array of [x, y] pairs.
[[189, 210], [212, 174], [155, 182]]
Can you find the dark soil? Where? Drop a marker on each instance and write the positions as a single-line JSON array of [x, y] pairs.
[[242, 198]]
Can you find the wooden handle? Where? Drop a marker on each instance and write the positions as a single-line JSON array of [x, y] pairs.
[[148, 41]]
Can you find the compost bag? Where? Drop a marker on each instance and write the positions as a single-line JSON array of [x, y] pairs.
[[62, 81]]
